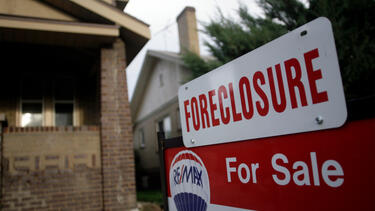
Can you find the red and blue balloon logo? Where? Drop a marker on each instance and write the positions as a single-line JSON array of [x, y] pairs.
[[189, 183]]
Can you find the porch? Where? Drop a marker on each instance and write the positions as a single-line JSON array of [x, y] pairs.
[[67, 140]]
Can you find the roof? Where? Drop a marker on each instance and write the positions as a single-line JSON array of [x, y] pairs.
[[145, 74], [94, 20], [166, 55]]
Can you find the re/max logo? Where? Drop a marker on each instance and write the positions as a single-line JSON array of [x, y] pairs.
[[186, 174]]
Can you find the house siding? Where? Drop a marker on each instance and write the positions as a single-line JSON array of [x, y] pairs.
[[148, 166], [157, 103], [155, 93], [148, 153]]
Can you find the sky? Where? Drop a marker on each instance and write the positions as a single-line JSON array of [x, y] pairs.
[[161, 16]]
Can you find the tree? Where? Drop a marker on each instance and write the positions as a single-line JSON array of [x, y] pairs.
[[352, 22]]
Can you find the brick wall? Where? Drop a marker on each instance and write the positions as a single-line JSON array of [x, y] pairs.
[[116, 131], [52, 168], [53, 190]]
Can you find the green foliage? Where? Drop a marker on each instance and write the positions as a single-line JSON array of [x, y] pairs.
[[153, 196], [352, 22], [199, 66]]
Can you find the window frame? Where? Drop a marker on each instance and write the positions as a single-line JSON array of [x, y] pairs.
[[158, 129], [48, 102], [55, 101], [22, 101], [141, 138], [31, 101], [161, 80], [70, 102]]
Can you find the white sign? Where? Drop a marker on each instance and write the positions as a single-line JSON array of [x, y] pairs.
[[290, 85]]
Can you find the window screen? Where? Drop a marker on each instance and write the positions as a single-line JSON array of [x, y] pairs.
[[31, 114], [63, 114], [142, 142], [32, 102], [165, 125]]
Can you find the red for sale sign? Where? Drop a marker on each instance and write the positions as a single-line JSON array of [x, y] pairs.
[[323, 170]]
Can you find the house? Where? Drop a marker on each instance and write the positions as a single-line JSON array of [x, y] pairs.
[[66, 132], [154, 105]]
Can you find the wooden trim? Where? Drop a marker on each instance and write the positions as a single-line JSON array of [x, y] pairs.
[[59, 26], [34, 8], [116, 15]]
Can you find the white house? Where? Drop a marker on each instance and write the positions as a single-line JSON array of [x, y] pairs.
[[154, 106]]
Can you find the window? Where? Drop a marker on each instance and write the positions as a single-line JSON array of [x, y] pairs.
[[141, 137], [31, 102], [63, 114], [165, 125], [178, 119], [31, 114], [46, 102], [161, 81], [64, 102]]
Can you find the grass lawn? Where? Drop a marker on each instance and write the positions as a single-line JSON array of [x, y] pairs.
[[153, 196]]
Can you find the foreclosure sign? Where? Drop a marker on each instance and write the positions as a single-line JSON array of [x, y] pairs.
[[287, 86]]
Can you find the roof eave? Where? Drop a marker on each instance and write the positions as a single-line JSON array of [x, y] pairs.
[[144, 76], [117, 16], [133, 31], [140, 86], [58, 26], [121, 4]]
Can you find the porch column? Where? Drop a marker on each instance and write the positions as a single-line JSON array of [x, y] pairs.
[[116, 131]]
